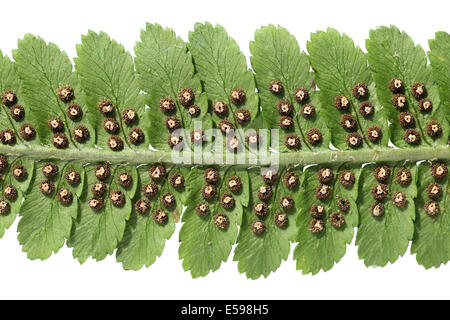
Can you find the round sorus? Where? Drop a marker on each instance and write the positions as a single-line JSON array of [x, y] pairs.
[[157, 173], [160, 216], [406, 120], [234, 184], [105, 107], [276, 87], [3, 163], [150, 190], [337, 220], [175, 141], [264, 192], [220, 108], [434, 128], [399, 199], [9, 98], [382, 173], [301, 95], [172, 123], [117, 198], [261, 209], [211, 175], [396, 85], [142, 206], [227, 201], [111, 125], [341, 102], [202, 209], [269, 175], [72, 177], [197, 136], [233, 144], [366, 109], [284, 107], [50, 170], [317, 211], [168, 200], [17, 112], [280, 219], [60, 141], [237, 96], [167, 105], [374, 133], [431, 208], [10, 192], [343, 204], [74, 112], [96, 203], [399, 101], [292, 141], [308, 111], [418, 90], [348, 122], [287, 203], [258, 227], [325, 175], [425, 105], [242, 116], [439, 171], [124, 179], [403, 177], [434, 190], [81, 133], [64, 196], [347, 178], [56, 124], [379, 191], [47, 187], [316, 226], [221, 220], [186, 96], [136, 136], [7, 136], [129, 116], [115, 143], [27, 131], [322, 191], [65, 93], [253, 139], [225, 126], [353, 140], [102, 171], [176, 181], [209, 191], [360, 90], [291, 180], [4, 207], [19, 172], [314, 136], [98, 188], [286, 122], [377, 209], [194, 110], [411, 136]]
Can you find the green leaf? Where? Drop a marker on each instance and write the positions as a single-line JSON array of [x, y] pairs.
[[384, 239], [393, 54], [320, 251], [96, 234], [431, 242], [46, 222], [259, 255], [203, 245], [339, 65]]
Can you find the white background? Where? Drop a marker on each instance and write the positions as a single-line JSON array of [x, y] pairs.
[[61, 276]]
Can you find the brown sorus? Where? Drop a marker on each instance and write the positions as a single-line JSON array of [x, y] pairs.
[[115, 143], [317, 211], [19, 172], [377, 209], [3, 163], [301, 95], [434, 190], [431, 208], [47, 187], [341, 102], [136, 136], [348, 122], [411, 136], [316, 226], [434, 128], [360, 90], [261, 209], [50, 170], [292, 141], [269, 175], [194, 110], [160, 216], [111, 125], [172, 123], [64, 196], [175, 141], [233, 144], [252, 139], [102, 171], [343, 204], [258, 227], [72, 177], [220, 108], [129, 116], [9, 98], [157, 173], [186, 96], [209, 191], [237, 96], [276, 87], [150, 190], [406, 119], [337, 219], [117, 198], [98, 188], [176, 181], [242, 116], [4, 207], [168, 200], [60, 140], [287, 203], [322, 191], [124, 179], [399, 199], [106, 107], [314, 136], [65, 93], [382, 173], [96, 203], [197, 136], [17, 112], [202, 209], [379, 191], [264, 192], [366, 109], [425, 105], [418, 90], [234, 184], [403, 177], [227, 201], [374, 133], [396, 85], [284, 107], [325, 175], [74, 111], [439, 171], [81, 133], [354, 140], [221, 220], [56, 124], [225, 126], [211, 175], [291, 180], [399, 101], [167, 105], [286, 122], [347, 178], [280, 219], [7, 136], [308, 111], [142, 206], [27, 131], [10, 192]]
